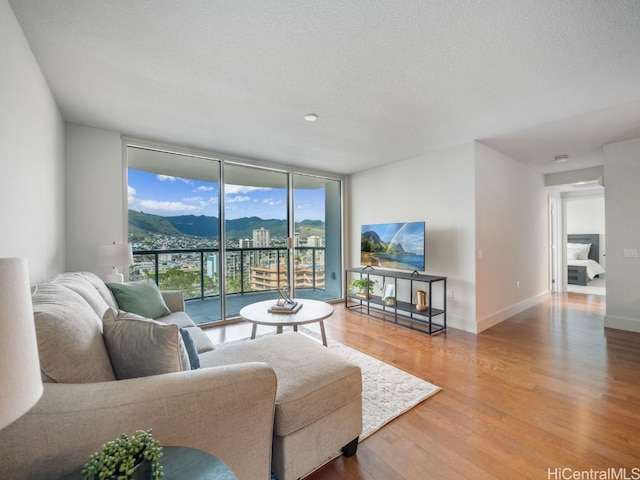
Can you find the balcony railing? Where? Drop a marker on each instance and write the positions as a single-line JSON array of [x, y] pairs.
[[194, 271]]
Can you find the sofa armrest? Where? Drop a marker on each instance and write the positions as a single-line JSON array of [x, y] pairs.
[[174, 300], [226, 411]]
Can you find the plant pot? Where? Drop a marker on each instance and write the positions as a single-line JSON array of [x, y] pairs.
[[142, 471]]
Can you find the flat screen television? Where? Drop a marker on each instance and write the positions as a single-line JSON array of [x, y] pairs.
[[393, 245]]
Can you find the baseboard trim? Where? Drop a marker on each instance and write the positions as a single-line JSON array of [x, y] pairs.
[[622, 323], [498, 317], [460, 323]]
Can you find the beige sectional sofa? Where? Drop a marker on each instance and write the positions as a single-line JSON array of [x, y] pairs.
[[281, 403]]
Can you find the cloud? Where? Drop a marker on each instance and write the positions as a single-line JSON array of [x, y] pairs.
[[204, 188], [238, 189], [271, 202], [165, 178], [167, 207], [131, 193], [169, 178], [237, 198]]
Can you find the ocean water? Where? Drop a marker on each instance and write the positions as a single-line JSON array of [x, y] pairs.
[[401, 260]]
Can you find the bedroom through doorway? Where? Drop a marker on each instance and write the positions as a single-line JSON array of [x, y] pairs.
[[584, 215]]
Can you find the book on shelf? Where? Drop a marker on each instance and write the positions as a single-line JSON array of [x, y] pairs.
[[286, 308]]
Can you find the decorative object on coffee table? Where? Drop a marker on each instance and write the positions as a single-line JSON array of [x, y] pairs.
[[283, 295]]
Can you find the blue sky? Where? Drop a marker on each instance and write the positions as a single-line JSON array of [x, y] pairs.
[[172, 196]]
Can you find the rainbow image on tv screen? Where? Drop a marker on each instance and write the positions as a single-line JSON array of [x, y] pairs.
[[393, 245]]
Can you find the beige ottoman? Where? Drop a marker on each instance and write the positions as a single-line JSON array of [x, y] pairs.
[[318, 408]]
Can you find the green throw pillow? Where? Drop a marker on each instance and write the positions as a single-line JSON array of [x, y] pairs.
[[142, 298]]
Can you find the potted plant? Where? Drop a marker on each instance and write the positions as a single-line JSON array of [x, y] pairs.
[[126, 458], [364, 285]]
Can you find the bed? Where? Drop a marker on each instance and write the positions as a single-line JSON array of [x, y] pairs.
[[583, 254]]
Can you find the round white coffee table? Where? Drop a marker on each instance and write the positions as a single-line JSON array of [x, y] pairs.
[[310, 312]]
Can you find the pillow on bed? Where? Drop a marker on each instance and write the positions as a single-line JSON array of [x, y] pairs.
[[572, 254], [581, 251]]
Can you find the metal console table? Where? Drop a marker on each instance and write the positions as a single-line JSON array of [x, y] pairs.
[[404, 313]]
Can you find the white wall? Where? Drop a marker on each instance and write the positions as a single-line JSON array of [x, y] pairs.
[[476, 202], [586, 214], [512, 271], [622, 193], [95, 196], [32, 158], [437, 188]]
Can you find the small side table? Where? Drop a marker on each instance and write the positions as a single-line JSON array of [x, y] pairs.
[[180, 463]]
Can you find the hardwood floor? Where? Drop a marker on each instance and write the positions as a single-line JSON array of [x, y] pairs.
[[546, 390]]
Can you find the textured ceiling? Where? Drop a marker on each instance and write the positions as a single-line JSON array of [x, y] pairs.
[[389, 79]]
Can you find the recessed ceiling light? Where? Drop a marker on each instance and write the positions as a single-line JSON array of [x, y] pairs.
[[311, 117], [561, 158]]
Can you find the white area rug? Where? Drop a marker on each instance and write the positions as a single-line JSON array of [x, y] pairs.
[[387, 392]]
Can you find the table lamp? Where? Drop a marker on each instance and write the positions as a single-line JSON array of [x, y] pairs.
[[114, 256], [20, 380]]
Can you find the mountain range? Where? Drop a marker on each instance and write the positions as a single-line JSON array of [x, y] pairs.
[[205, 226], [371, 242]]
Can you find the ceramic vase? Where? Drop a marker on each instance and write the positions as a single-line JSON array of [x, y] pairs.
[[421, 300]]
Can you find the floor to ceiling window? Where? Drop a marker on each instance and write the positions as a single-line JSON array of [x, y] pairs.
[[317, 210], [228, 234], [256, 232], [174, 226]]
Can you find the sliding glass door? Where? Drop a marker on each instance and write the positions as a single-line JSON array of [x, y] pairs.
[[256, 218], [317, 207], [229, 234], [174, 226]]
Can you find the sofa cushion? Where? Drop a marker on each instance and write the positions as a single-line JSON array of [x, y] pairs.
[[69, 333], [183, 320], [101, 288], [313, 381], [142, 298], [140, 347], [79, 283]]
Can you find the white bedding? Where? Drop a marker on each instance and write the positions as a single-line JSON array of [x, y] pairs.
[[593, 267]]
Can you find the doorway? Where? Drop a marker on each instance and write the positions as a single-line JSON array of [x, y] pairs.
[[577, 211]]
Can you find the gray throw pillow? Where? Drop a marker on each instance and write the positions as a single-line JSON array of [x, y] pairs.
[[142, 297], [139, 347]]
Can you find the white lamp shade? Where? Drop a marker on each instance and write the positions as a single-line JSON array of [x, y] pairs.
[[20, 380], [114, 255]]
